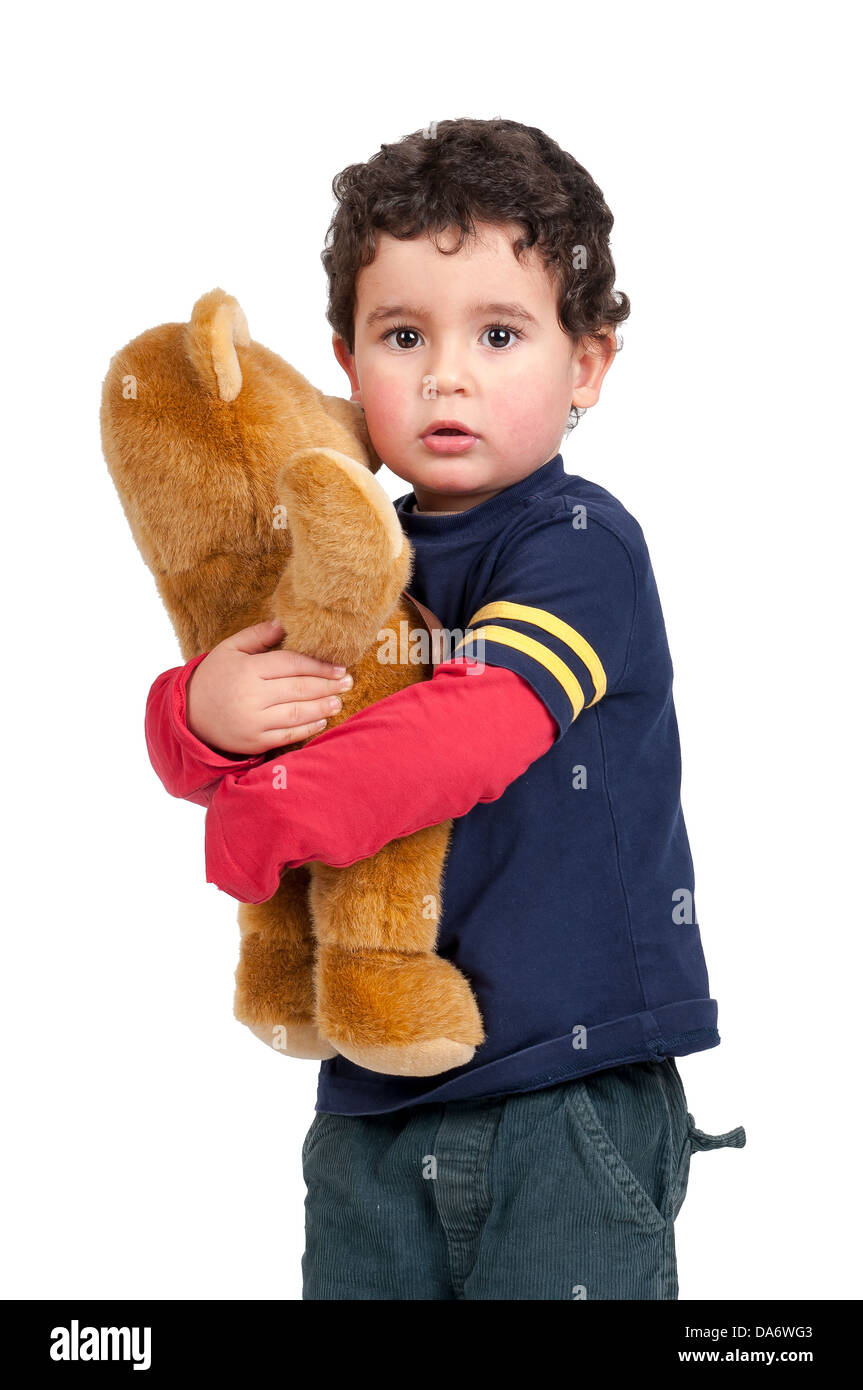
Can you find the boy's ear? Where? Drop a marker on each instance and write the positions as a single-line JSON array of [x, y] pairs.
[[593, 358], [346, 360]]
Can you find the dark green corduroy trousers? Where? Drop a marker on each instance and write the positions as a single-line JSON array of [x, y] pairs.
[[570, 1192]]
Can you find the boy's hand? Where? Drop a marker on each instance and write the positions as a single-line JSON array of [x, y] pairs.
[[243, 698]]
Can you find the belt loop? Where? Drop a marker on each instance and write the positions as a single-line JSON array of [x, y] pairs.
[[733, 1139]]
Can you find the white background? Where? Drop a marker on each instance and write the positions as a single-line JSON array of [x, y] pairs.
[[152, 1145]]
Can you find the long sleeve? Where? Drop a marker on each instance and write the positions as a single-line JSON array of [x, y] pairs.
[[185, 766], [423, 755]]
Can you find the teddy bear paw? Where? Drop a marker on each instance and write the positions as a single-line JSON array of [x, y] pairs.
[[425, 1058], [294, 1040]]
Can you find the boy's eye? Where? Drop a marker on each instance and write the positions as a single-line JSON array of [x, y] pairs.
[[406, 337], [402, 332], [499, 332]]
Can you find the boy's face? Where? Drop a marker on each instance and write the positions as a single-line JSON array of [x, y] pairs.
[[471, 337]]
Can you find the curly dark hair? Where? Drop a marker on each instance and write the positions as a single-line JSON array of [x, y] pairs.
[[462, 172]]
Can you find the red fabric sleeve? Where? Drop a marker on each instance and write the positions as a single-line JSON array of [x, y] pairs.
[[185, 766], [421, 756]]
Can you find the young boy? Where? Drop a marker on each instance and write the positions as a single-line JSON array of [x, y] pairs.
[[471, 298]]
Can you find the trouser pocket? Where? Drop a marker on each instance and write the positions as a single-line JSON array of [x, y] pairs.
[[634, 1126], [630, 1125], [318, 1124]]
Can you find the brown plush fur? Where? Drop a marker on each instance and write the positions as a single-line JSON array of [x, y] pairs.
[[251, 495]]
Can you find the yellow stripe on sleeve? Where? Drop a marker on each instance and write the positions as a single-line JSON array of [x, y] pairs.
[[550, 623], [531, 647]]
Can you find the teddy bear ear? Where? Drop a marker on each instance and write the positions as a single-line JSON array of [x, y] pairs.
[[217, 328]]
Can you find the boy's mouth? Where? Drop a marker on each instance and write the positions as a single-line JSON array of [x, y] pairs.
[[448, 427], [448, 437]]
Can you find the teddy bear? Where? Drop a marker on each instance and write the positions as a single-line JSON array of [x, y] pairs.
[[251, 495]]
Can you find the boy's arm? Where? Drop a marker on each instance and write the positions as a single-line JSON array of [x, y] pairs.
[[421, 756], [185, 766], [554, 624]]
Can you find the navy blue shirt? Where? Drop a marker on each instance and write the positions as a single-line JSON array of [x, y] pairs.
[[569, 902]]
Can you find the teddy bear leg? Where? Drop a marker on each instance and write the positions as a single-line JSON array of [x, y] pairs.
[[274, 994], [384, 1000]]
